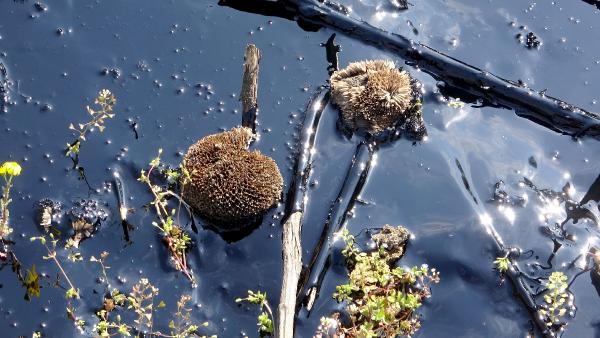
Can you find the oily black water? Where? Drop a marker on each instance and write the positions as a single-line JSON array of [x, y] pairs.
[[175, 68]]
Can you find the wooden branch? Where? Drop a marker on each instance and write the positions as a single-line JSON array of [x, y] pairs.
[[340, 210], [249, 93], [292, 265], [292, 246], [538, 107]]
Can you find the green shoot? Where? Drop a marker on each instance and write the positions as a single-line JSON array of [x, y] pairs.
[[178, 242], [265, 318], [381, 299], [105, 101]]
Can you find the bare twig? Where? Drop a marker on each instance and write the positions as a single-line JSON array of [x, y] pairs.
[[249, 93]]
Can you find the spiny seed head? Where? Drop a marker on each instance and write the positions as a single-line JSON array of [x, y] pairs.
[[230, 184], [372, 95]]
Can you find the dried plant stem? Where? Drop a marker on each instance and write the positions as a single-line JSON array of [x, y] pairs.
[[52, 255]]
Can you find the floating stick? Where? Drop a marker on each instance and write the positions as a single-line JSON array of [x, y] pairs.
[[249, 92], [545, 110], [341, 209]]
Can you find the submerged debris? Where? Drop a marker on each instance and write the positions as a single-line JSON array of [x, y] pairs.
[[82, 230], [530, 40], [376, 96], [229, 183], [48, 211], [40, 6], [393, 240], [399, 4], [86, 217], [92, 211], [4, 89], [502, 197]]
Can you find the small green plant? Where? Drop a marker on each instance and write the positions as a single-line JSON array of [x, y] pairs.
[[350, 250], [102, 262], [8, 170], [181, 326], [105, 101], [176, 239], [381, 299], [555, 299], [502, 264], [140, 302], [71, 292], [265, 318]]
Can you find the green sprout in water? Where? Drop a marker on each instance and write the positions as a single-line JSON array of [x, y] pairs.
[[71, 292], [381, 299], [140, 302], [105, 101], [555, 299], [176, 239], [265, 318]]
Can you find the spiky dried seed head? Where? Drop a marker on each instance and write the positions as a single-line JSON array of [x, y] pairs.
[[372, 95], [228, 183]]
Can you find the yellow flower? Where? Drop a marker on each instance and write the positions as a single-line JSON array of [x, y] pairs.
[[11, 168]]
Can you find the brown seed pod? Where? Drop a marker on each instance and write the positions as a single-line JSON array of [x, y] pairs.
[[373, 95], [230, 184]]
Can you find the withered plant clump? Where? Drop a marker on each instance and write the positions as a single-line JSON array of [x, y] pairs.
[[227, 182], [374, 95], [393, 240]]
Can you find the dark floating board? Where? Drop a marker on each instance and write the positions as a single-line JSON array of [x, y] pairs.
[[461, 78]]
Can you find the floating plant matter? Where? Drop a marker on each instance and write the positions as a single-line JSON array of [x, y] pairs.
[[380, 298], [376, 96], [378, 101], [230, 184]]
